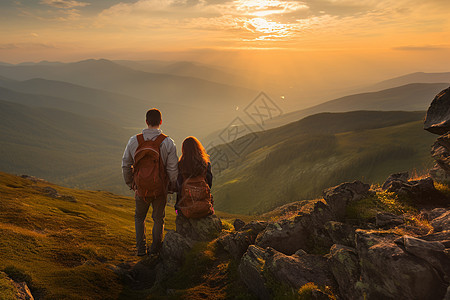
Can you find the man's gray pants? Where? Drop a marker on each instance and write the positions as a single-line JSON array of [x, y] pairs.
[[158, 214]]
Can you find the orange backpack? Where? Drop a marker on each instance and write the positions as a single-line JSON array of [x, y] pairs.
[[196, 198], [150, 178]]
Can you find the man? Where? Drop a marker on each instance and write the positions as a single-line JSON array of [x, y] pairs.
[[169, 160]]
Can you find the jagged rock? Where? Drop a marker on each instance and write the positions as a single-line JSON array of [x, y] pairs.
[[443, 237], [251, 271], [388, 271], [305, 231], [341, 233], [340, 196], [433, 214], [386, 219], [238, 224], [175, 246], [439, 174], [430, 251], [298, 269], [442, 222], [259, 269], [422, 190], [344, 264], [404, 176], [23, 292], [437, 120], [68, 198], [440, 151], [50, 192], [201, 229], [237, 243]]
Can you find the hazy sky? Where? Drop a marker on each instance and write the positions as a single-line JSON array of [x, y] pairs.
[[379, 37]]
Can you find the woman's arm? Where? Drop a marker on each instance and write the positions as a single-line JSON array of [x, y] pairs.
[[209, 175]]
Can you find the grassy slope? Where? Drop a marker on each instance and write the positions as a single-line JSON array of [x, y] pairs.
[[64, 247], [62, 147], [282, 167]]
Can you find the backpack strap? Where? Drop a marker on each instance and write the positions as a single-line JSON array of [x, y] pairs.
[[160, 139], [140, 138]]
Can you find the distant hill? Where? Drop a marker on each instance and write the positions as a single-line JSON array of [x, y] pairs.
[[418, 77], [106, 75], [297, 161], [410, 97], [60, 146]]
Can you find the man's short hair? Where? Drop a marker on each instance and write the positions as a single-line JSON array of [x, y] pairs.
[[153, 117]]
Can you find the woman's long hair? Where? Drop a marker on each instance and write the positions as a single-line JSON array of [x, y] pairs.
[[194, 159]]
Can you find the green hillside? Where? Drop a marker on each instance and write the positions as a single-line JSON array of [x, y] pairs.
[[299, 160], [66, 246], [409, 97], [62, 147]]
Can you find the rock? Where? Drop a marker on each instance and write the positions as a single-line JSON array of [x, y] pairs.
[[433, 214], [251, 270], [238, 224], [175, 246], [262, 270], [305, 231], [298, 269], [421, 191], [50, 192], [388, 271], [386, 219], [237, 243], [341, 233], [440, 151], [201, 229], [68, 198], [344, 264], [340, 196], [442, 222], [437, 120], [395, 177], [430, 251], [438, 174], [23, 292], [442, 237]]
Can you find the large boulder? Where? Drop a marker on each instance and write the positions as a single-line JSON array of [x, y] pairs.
[[437, 120], [442, 222], [421, 191], [386, 219], [341, 233], [236, 243], [304, 231], [263, 270], [432, 252], [251, 271], [440, 151], [175, 246], [340, 196], [201, 229], [298, 269], [388, 271], [344, 264]]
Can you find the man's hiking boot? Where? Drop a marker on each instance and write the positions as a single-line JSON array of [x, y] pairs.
[[142, 252]]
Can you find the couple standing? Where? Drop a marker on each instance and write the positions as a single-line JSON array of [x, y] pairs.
[[152, 152]]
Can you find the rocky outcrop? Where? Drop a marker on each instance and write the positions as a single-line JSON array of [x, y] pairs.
[[238, 224], [262, 268], [440, 151], [340, 196], [421, 191], [437, 120], [303, 231], [201, 229], [385, 219], [344, 264], [341, 233], [236, 243], [442, 222], [388, 271]]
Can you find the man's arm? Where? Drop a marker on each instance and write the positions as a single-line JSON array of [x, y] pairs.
[[127, 163], [172, 162]]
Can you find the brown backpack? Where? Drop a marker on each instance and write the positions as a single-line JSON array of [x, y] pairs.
[[150, 177], [196, 198]]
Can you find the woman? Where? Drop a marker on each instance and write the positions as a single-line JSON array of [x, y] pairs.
[[194, 180]]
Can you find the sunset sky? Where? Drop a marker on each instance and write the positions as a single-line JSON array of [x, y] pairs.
[[387, 37]]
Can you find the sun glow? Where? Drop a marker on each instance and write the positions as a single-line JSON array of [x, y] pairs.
[[262, 8]]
